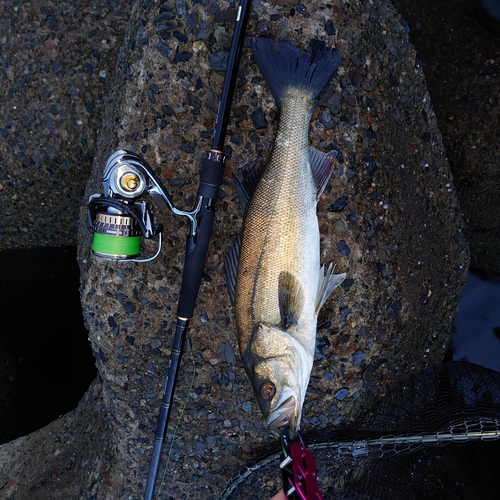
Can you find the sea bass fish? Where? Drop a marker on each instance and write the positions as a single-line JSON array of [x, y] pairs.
[[273, 273]]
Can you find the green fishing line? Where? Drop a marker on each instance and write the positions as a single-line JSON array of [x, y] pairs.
[[129, 246]]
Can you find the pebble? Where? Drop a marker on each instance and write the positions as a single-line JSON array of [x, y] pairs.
[[341, 394], [177, 182], [340, 226], [330, 28], [338, 205], [358, 357], [180, 6], [247, 407], [227, 353], [259, 119], [343, 248], [222, 36], [180, 36], [164, 16], [182, 57], [204, 31], [162, 49], [326, 119], [218, 60], [199, 447], [129, 307], [343, 314], [365, 331], [352, 219], [347, 283], [155, 343]]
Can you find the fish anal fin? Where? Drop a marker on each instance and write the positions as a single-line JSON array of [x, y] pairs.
[[291, 299], [326, 284], [322, 165]]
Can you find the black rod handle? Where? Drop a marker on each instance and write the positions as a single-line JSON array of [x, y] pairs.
[[212, 172], [195, 257]]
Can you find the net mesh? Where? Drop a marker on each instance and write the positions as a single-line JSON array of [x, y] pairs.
[[397, 448]]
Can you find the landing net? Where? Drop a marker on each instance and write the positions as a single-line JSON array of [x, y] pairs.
[[396, 448]]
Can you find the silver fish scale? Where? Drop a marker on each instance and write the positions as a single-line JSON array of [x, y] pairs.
[[281, 231]]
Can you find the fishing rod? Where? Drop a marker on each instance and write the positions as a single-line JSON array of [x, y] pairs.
[[119, 218], [211, 175]]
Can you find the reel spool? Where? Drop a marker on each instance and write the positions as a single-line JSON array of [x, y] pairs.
[[116, 236]]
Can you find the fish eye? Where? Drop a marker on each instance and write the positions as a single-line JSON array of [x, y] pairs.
[[267, 390]]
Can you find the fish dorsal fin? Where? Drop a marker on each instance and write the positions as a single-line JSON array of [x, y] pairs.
[[231, 258], [322, 165], [291, 299], [249, 178], [326, 284]]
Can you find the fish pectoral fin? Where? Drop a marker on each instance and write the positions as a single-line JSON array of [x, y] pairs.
[[322, 165], [231, 258], [326, 284], [291, 299]]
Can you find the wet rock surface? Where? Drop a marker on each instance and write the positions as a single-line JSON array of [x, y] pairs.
[[397, 231], [462, 77], [56, 66]]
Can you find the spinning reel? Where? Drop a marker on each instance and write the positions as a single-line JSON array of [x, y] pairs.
[[119, 217]]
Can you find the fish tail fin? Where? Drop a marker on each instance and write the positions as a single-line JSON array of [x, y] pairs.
[[285, 66]]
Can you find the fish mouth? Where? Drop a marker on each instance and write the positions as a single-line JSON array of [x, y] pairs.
[[285, 414]]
